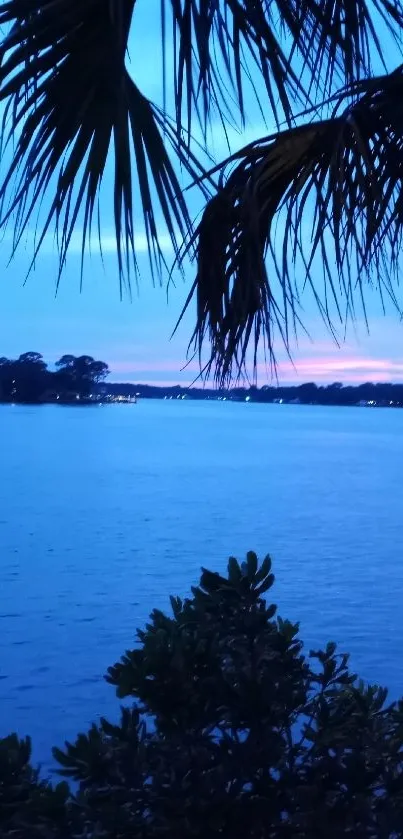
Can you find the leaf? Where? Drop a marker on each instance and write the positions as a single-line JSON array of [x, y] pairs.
[[252, 564], [267, 583], [264, 569], [349, 168], [234, 571], [271, 611]]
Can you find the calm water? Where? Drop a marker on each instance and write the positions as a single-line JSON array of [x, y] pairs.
[[106, 511]]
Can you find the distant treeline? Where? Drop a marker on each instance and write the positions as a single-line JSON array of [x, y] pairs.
[[382, 394], [28, 378]]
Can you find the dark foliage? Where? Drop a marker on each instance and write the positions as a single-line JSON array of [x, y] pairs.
[[382, 394], [28, 805], [234, 731], [27, 379], [81, 374]]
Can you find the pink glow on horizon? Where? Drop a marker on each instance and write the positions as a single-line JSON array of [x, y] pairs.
[[347, 369], [350, 369]]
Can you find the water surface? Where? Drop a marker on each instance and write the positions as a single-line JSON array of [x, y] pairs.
[[105, 511]]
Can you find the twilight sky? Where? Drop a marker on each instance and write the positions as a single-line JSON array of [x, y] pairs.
[[134, 336]]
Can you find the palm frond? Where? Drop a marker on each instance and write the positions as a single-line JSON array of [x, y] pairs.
[[70, 102], [220, 44], [70, 105], [348, 171]]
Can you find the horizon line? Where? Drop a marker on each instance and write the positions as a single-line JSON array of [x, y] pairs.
[[169, 385]]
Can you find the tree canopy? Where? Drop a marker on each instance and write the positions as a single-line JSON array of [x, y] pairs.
[[28, 379], [316, 204], [233, 729], [82, 373]]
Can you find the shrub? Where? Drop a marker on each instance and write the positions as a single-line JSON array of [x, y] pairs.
[[233, 731], [29, 806]]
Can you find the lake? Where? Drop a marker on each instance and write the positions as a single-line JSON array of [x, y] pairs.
[[105, 511]]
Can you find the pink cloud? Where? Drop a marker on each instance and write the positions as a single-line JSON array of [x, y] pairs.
[[345, 369], [354, 369], [321, 361]]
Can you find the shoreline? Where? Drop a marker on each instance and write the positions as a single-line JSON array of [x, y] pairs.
[[99, 401]]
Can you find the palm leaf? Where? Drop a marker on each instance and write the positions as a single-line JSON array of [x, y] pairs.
[[349, 169], [220, 44], [70, 102]]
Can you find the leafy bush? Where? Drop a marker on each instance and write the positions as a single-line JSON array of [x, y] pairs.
[[234, 731], [29, 807]]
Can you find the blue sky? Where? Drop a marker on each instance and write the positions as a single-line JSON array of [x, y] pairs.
[[134, 336]]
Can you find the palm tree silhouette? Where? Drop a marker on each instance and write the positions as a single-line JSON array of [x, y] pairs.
[[325, 188]]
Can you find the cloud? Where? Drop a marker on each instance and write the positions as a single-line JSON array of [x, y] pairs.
[[346, 369], [92, 246], [349, 369]]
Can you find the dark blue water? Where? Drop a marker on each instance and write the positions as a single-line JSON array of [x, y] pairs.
[[106, 511]]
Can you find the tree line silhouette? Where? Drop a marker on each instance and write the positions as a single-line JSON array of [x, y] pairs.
[[380, 394], [28, 378]]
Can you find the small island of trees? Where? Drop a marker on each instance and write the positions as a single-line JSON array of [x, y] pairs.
[[28, 378]]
